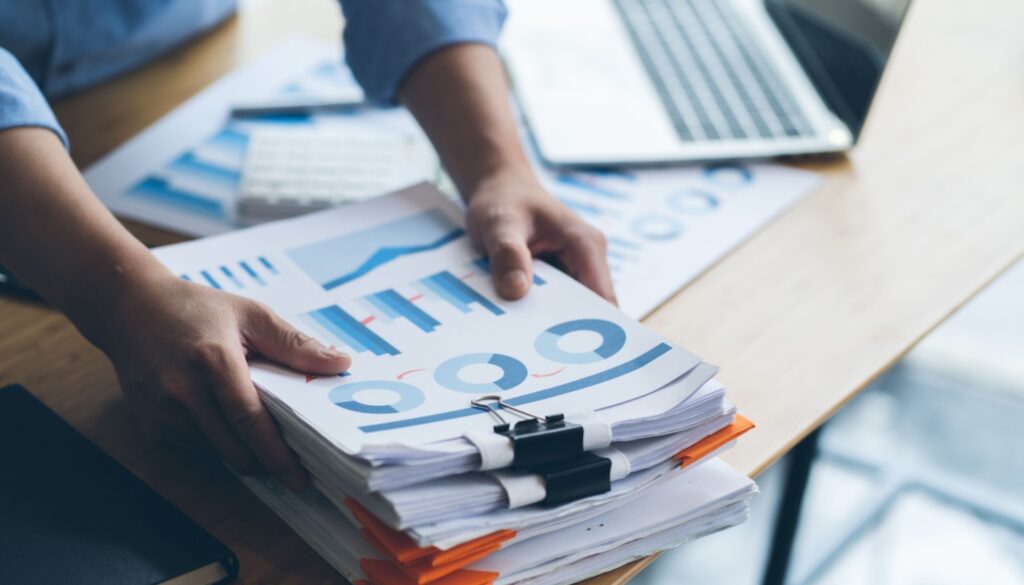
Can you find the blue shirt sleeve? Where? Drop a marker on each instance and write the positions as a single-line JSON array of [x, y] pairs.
[[21, 102], [385, 39]]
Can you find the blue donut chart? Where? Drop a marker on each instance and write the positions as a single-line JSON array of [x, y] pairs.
[[613, 338], [656, 227], [409, 396], [693, 201], [513, 373], [728, 175]]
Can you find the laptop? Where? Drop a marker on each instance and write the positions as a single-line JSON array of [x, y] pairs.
[[604, 82]]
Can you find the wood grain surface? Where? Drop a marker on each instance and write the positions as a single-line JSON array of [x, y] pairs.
[[922, 214]]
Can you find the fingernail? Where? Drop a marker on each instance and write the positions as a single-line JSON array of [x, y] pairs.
[[332, 353], [296, 482], [514, 281]]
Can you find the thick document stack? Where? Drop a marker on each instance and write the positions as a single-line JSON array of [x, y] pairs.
[[473, 440]]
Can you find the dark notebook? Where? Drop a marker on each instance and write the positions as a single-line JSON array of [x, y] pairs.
[[69, 513]]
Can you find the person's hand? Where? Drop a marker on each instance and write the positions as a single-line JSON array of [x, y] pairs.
[[180, 354], [512, 218]]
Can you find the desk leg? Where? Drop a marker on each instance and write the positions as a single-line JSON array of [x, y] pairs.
[[788, 519]]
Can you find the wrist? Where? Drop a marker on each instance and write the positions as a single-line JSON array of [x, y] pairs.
[[500, 175], [104, 294]]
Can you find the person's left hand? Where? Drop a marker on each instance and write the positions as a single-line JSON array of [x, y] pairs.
[[512, 219]]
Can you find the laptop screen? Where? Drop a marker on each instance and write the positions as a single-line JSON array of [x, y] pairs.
[[843, 45]]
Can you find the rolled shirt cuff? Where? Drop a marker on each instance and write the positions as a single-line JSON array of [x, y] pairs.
[[21, 102], [385, 39]]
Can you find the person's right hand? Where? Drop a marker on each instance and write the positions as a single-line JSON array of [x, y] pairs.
[[180, 353]]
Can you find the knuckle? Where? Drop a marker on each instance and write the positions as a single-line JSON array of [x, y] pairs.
[[297, 339], [212, 355], [244, 418]]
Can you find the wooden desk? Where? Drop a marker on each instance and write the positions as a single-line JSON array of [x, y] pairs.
[[925, 212]]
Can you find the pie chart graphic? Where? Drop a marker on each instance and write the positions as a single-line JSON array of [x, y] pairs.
[[656, 227], [613, 337], [728, 175], [450, 373], [693, 201], [409, 396]]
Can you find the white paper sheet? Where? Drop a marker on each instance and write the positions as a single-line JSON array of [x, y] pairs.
[[395, 282], [664, 226]]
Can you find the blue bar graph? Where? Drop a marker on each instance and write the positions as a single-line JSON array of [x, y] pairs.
[[210, 279], [348, 330], [457, 293], [484, 264], [394, 305], [160, 190], [231, 276], [263, 260], [252, 273], [590, 185]]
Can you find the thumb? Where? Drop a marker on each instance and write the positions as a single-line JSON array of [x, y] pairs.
[[510, 258], [276, 339]]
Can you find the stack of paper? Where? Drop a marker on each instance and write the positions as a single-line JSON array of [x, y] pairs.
[[474, 440]]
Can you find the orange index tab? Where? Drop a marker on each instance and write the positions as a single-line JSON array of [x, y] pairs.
[[387, 573], [710, 443], [403, 549]]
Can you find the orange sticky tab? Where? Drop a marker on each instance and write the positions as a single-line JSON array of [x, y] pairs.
[[400, 547], [494, 539], [395, 544], [710, 443], [388, 573]]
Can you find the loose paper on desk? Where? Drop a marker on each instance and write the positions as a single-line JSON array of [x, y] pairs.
[[664, 226], [396, 283]]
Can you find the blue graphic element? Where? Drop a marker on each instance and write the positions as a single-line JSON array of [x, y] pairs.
[[484, 264], [457, 293], [409, 397], [656, 227], [591, 186], [693, 201], [231, 276], [334, 262], [621, 243], [230, 139], [728, 175], [252, 273], [567, 388], [513, 373], [394, 305], [266, 264], [188, 164], [348, 330], [185, 277], [613, 338], [209, 279], [161, 191], [580, 207]]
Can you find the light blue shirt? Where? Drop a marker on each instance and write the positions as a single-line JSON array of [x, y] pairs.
[[52, 48]]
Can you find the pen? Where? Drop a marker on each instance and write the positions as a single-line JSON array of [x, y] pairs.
[[294, 106], [11, 285]]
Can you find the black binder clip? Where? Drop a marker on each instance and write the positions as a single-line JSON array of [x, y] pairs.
[[551, 447]]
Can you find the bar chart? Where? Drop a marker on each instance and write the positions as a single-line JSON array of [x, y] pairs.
[[237, 275], [369, 319]]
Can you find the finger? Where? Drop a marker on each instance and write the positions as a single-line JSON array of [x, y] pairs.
[[179, 400], [585, 254], [510, 259], [228, 375], [213, 426], [275, 339]]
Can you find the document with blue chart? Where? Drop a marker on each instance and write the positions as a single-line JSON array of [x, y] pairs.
[[396, 283], [664, 226]]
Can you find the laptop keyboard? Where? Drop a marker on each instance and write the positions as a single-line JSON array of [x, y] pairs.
[[710, 72]]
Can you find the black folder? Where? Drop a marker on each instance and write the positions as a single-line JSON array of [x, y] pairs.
[[69, 513]]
